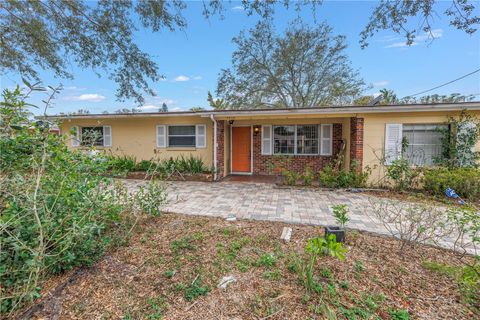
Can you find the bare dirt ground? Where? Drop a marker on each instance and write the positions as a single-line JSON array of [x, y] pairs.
[[172, 265]]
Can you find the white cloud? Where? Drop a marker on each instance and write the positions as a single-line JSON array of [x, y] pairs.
[[433, 34], [197, 78], [91, 97], [74, 88], [382, 83], [176, 109], [181, 78], [238, 8], [148, 107]]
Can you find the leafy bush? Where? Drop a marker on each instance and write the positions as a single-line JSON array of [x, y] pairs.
[[316, 247], [402, 174], [291, 177], [121, 165], [340, 211], [465, 181], [331, 178], [151, 198], [59, 211], [308, 176]]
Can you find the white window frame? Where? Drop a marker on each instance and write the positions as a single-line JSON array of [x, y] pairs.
[[198, 128], [269, 140], [321, 140], [161, 139], [168, 135], [327, 140]]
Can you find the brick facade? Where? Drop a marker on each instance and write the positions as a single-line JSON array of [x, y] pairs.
[[269, 164], [356, 142], [220, 149]]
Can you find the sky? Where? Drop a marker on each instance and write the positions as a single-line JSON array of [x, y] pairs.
[[191, 59]]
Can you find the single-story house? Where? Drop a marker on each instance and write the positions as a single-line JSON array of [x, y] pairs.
[[252, 142]]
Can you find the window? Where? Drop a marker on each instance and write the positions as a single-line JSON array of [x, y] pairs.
[[181, 136], [92, 136], [284, 139], [307, 139], [302, 139], [424, 143]]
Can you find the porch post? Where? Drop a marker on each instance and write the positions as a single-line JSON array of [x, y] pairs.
[[356, 142], [220, 165]]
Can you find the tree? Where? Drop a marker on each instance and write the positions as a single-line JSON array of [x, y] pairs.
[[388, 97], [305, 67], [164, 108], [397, 16], [51, 34], [216, 104]]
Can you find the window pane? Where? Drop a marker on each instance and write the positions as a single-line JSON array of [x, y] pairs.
[[92, 136], [284, 139], [424, 143], [178, 141], [181, 130], [307, 139]]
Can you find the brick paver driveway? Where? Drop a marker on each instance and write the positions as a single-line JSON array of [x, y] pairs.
[[262, 201]]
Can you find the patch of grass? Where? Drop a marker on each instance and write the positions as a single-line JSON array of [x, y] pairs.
[[272, 275], [244, 264], [359, 266], [325, 273], [267, 260], [344, 284], [195, 290], [156, 308], [169, 273], [183, 244], [399, 314]]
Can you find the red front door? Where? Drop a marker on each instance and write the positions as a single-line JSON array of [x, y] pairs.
[[241, 149]]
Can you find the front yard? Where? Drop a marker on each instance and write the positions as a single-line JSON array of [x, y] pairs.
[[173, 264]]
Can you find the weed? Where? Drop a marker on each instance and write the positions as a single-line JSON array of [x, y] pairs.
[[185, 243], [272, 275], [359, 266], [169, 273], [344, 284], [156, 308], [399, 314], [325, 273], [195, 290], [267, 260]]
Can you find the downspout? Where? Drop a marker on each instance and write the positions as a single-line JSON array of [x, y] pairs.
[[214, 147]]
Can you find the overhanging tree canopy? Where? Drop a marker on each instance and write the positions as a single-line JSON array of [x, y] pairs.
[[305, 67]]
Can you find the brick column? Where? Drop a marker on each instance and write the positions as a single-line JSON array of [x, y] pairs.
[[220, 149], [356, 142]]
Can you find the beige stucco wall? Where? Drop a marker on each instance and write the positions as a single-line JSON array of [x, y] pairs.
[[136, 136], [374, 135]]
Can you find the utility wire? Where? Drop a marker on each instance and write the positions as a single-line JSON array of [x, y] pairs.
[[442, 85]]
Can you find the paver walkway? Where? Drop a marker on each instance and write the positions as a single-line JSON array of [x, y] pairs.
[[263, 201]]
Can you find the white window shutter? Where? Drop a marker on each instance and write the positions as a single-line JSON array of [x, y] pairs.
[[161, 136], [266, 139], [75, 135], [393, 142], [107, 136], [201, 136], [326, 134]]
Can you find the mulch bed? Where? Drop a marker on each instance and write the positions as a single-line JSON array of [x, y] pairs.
[[136, 282]]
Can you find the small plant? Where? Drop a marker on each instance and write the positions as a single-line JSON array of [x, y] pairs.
[[151, 198], [399, 314], [340, 211], [169, 273], [195, 290], [359, 266], [185, 243], [337, 178], [291, 177], [272, 275], [308, 176], [402, 174], [267, 260]]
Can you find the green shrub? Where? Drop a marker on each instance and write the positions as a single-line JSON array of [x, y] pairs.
[[340, 211], [402, 174], [465, 181], [121, 165], [331, 178], [58, 210], [308, 176], [291, 177]]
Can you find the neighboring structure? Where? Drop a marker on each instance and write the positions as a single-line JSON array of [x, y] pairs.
[[258, 141]]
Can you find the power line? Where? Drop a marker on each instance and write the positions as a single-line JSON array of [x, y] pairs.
[[442, 85]]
